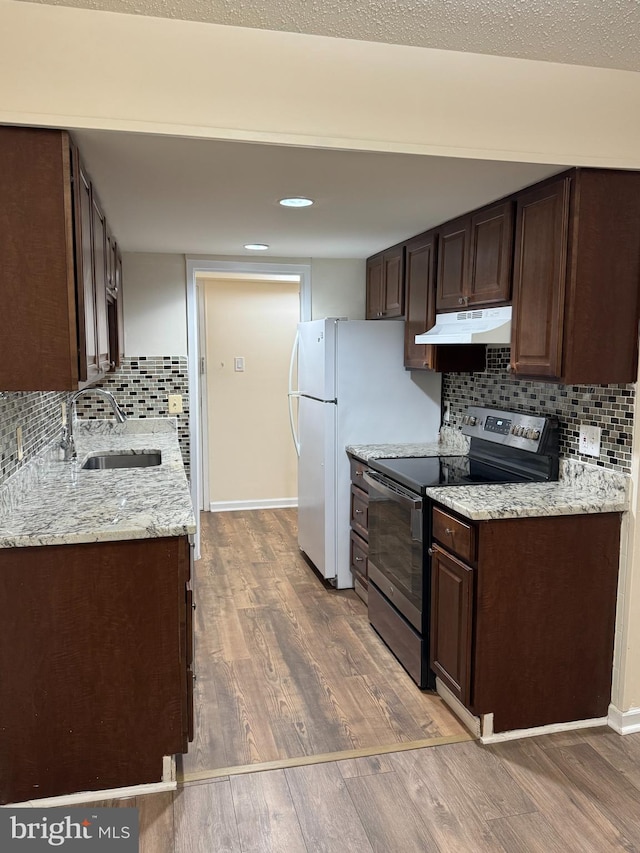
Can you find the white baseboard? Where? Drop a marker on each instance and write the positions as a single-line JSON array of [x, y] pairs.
[[516, 734], [271, 503], [463, 714], [624, 722], [94, 796]]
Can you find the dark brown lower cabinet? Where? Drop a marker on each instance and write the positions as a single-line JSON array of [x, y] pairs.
[[95, 657], [452, 595], [525, 631]]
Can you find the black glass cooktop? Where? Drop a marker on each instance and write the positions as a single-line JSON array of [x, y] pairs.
[[420, 472]]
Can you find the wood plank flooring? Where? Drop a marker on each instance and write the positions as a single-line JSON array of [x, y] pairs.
[[289, 668], [554, 794], [286, 666]]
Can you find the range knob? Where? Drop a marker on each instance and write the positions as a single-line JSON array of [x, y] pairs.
[[533, 434], [472, 420], [517, 430]]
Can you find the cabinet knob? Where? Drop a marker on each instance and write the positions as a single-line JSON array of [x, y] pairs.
[[460, 300], [449, 531], [358, 473], [359, 512], [193, 605], [430, 552], [359, 559]]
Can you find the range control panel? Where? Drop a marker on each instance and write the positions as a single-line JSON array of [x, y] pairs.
[[515, 429]]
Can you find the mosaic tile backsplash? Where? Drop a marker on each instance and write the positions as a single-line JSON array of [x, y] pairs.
[[39, 414], [611, 407], [141, 386]]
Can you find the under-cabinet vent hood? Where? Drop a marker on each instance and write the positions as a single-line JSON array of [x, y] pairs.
[[483, 326]]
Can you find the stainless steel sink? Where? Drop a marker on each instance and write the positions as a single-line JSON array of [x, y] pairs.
[[102, 461]]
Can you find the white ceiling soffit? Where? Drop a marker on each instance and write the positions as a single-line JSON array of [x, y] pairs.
[[603, 33], [200, 196]]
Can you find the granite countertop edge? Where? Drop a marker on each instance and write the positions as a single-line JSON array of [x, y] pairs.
[[582, 489], [51, 502]]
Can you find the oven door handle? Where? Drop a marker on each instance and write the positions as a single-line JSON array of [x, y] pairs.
[[379, 483]]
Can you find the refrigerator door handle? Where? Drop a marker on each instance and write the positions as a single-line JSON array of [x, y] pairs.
[[292, 393]]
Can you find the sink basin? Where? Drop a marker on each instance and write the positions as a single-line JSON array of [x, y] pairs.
[[102, 461]]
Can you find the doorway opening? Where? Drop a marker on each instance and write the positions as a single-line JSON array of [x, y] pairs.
[[195, 334], [248, 331]]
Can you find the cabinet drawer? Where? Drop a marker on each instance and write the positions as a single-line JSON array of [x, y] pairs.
[[359, 558], [402, 638], [357, 474], [456, 535], [360, 511]]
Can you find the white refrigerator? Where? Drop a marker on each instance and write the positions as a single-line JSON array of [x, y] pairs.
[[352, 389]]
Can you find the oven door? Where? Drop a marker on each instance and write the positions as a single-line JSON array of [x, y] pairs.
[[396, 551]]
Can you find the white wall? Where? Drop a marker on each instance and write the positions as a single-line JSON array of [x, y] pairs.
[[82, 68], [155, 310], [338, 288]]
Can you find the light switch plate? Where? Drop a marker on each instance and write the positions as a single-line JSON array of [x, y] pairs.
[[19, 443], [175, 404], [238, 363], [589, 440], [446, 412]]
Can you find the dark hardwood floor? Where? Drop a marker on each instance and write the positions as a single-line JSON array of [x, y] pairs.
[[287, 667]]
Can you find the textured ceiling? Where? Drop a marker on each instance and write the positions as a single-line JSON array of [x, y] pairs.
[[603, 33], [168, 194]]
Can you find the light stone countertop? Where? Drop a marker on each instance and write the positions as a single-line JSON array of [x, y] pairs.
[[581, 489], [450, 442], [51, 502]]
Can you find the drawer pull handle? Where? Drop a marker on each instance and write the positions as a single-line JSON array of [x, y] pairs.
[[449, 531]]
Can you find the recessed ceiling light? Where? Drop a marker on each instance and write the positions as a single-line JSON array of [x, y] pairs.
[[296, 201], [256, 247]]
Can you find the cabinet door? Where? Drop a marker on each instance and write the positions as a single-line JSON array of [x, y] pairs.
[[452, 260], [374, 287], [393, 282], [451, 622], [540, 266], [86, 292], [420, 300], [100, 273], [120, 303], [490, 255]]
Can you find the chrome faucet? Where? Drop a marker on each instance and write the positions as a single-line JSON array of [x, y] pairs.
[[67, 442]]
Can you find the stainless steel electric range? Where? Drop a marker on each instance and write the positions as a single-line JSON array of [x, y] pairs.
[[506, 447]]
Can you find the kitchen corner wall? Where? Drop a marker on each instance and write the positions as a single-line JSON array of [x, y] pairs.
[[611, 407]]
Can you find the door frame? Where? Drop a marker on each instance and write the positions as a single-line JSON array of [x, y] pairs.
[[198, 421]]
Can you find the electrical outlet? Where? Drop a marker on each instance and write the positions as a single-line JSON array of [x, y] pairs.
[[19, 443], [446, 412], [238, 363], [589, 440], [63, 413], [175, 404]]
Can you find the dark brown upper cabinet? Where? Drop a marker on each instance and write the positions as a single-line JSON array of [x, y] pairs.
[[576, 275], [420, 295], [54, 333], [474, 259], [385, 284]]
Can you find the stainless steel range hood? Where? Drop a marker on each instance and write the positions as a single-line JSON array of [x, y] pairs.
[[484, 326]]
